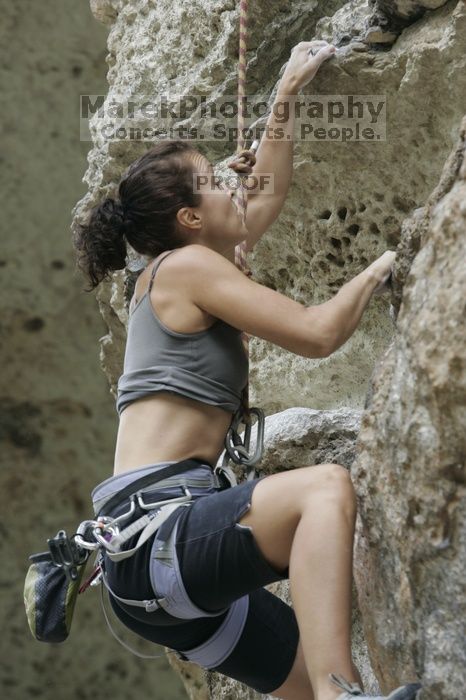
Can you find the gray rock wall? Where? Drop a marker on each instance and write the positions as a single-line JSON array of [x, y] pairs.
[[410, 473]]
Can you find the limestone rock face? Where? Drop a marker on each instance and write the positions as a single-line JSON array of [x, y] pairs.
[[410, 549], [407, 9], [389, 18], [298, 437], [415, 228]]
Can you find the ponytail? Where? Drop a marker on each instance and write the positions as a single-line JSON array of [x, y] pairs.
[[100, 242], [152, 190]]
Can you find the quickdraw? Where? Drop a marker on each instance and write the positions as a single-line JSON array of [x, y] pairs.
[[239, 451]]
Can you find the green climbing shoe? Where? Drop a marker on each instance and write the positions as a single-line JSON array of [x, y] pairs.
[[353, 690]]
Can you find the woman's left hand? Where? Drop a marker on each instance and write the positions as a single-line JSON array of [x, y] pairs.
[[305, 60]]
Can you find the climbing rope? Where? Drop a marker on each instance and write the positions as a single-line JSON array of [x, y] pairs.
[[243, 33], [237, 450], [241, 193]]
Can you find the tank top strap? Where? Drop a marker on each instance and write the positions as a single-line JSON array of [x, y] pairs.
[[156, 266]]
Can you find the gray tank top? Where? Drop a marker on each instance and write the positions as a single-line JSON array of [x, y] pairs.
[[210, 366]]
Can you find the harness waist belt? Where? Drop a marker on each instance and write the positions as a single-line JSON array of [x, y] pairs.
[[144, 481]]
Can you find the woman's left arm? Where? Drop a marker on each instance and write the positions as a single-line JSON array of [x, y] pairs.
[[273, 169], [275, 153]]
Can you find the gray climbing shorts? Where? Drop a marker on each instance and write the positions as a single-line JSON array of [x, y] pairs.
[[211, 574]]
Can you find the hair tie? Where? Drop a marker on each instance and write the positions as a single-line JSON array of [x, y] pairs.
[[122, 217]]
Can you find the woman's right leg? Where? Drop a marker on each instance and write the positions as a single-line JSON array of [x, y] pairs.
[[304, 519]]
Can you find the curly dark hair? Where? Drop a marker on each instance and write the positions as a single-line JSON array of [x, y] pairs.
[[151, 191]]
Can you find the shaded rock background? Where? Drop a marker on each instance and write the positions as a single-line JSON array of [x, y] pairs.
[[57, 417]]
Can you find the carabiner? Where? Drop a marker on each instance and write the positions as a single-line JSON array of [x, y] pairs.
[[238, 450], [66, 554]]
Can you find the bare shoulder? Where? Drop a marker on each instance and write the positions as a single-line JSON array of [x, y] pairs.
[[189, 267], [217, 287], [196, 256], [200, 250]]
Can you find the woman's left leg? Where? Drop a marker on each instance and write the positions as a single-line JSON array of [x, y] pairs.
[[236, 557], [297, 685], [219, 565]]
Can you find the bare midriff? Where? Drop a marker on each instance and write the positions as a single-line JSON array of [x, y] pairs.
[[165, 427]]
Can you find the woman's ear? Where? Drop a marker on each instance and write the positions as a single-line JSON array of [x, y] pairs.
[[189, 218]]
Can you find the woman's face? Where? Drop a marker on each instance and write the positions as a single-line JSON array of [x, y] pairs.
[[216, 222]]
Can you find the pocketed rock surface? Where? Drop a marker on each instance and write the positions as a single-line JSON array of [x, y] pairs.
[[347, 204]]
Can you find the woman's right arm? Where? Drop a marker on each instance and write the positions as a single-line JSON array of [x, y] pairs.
[[344, 310], [222, 290]]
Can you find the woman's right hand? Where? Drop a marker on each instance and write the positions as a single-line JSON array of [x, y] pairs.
[[380, 270]]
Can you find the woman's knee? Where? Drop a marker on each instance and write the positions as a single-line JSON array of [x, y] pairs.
[[332, 481]]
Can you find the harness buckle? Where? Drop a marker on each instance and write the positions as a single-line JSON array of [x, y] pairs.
[[105, 532], [150, 506]]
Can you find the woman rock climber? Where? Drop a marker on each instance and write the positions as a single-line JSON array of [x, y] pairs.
[[184, 370]]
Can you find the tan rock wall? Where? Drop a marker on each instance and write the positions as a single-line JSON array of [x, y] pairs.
[[410, 473]]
